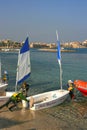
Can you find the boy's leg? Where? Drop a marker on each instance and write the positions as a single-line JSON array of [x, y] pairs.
[[14, 105], [6, 104]]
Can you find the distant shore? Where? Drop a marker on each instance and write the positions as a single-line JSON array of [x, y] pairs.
[[40, 49], [55, 50]]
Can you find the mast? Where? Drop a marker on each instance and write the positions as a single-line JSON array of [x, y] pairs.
[[59, 58], [17, 72]]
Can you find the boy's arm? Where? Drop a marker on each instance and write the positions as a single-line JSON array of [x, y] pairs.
[[22, 97]]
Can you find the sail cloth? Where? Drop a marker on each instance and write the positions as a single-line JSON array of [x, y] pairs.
[[58, 49], [23, 68], [59, 53], [59, 59]]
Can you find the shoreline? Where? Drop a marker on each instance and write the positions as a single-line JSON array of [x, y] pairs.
[[55, 50]]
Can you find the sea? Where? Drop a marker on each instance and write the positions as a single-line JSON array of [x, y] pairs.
[[45, 72], [45, 76]]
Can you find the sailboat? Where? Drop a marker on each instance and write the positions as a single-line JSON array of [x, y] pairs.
[[51, 98], [23, 69], [3, 85]]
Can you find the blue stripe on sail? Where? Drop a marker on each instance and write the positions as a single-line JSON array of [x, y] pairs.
[[59, 51], [25, 46], [24, 78]]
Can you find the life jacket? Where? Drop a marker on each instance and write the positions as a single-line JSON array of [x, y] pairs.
[[70, 88], [4, 78], [16, 97], [15, 94]]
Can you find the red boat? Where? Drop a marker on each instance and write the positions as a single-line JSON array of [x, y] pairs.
[[81, 86]]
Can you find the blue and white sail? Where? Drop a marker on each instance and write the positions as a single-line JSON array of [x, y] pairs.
[[59, 52], [59, 58], [23, 67]]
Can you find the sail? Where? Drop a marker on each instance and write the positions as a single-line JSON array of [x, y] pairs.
[[59, 59], [23, 68], [59, 53]]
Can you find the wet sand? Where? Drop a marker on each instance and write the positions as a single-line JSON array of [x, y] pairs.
[[67, 116]]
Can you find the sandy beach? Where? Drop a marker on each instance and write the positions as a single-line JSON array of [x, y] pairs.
[[63, 117]]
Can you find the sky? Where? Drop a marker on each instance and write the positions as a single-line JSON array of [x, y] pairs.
[[39, 20]]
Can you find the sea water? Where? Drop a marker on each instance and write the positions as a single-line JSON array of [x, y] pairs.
[[45, 73], [45, 77]]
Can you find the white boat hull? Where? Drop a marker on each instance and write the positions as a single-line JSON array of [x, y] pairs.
[[3, 86], [3, 99], [9, 94], [48, 99]]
